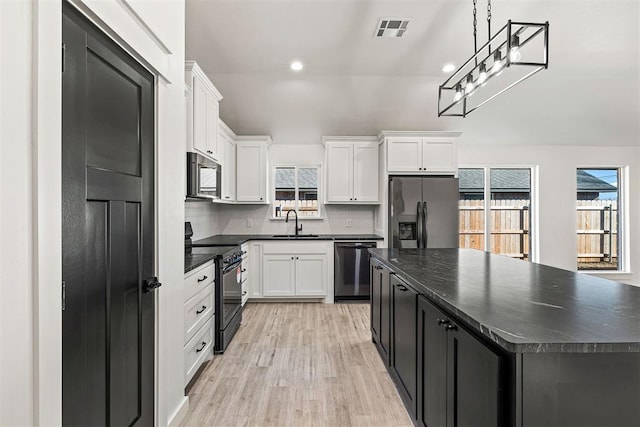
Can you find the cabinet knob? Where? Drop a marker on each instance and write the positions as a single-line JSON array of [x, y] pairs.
[[443, 322], [291, 257], [451, 327], [260, 198], [297, 258]]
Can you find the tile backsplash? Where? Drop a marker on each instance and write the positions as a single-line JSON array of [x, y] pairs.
[[209, 219]]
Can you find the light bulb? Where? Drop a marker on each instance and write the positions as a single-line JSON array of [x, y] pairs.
[[482, 76], [458, 95], [514, 54], [497, 63], [470, 86]]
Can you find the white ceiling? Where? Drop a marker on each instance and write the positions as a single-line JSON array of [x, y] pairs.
[[354, 84]]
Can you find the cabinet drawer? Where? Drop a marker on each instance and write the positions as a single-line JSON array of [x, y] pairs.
[[197, 280], [197, 350], [295, 248], [197, 311]]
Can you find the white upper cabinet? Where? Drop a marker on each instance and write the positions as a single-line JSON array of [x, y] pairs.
[[226, 139], [351, 172], [251, 172], [202, 117], [422, 152]]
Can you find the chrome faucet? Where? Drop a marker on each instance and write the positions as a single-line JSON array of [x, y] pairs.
[[287, 220]]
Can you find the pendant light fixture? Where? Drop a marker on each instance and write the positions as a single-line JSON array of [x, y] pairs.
[[513, 54]]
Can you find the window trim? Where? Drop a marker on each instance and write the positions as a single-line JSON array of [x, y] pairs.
[[534, 248], [318, 167], [624, 261]]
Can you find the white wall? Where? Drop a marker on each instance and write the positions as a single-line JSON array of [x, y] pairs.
[[557, 191], [30, 276], [16, 215], [208, 219]]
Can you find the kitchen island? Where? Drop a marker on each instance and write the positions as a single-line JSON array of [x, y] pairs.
[[481, 339]]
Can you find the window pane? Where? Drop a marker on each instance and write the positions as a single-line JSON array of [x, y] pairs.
[[471, 208], [285, 194], [308, 192], [510, 213], [597, 216]]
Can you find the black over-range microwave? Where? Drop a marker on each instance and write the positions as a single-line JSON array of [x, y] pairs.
[[203, 177]]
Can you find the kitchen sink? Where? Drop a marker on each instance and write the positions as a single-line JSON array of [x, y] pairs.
[[293, 236]]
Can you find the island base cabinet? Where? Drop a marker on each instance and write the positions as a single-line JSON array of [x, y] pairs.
[[459, 377], [381, 309], [580, 389], [403, 340]]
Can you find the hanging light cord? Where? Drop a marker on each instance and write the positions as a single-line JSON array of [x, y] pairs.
[[475, 29]]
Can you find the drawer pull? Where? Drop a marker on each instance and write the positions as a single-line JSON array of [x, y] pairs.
[[244, 293], [202, 346], [244, 270], [403, 288], [203, 279], [204, 307]]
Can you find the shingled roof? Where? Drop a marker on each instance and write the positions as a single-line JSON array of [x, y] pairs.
[[518, 181]]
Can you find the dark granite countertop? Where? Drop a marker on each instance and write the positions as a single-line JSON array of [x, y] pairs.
[[237, 239], [521, 306], [201, 256]]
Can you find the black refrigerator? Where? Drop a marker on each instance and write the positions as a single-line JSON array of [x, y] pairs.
[[423, 212]]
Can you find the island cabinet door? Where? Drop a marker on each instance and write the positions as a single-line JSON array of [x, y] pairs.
[[473, 380], [376, 277], [431, 394], [404, 301]]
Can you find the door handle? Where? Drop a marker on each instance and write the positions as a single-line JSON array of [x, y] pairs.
[[202, 279], [202, 346], [150, 284], [204, 307]]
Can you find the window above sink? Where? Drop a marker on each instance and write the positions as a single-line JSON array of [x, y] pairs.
[[297, 188]]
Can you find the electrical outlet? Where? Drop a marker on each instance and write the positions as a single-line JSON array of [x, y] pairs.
[[348, 223], [249, 223]]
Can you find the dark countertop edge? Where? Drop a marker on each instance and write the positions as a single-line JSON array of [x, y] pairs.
[[242, 239], [202, 260], [492, 335]]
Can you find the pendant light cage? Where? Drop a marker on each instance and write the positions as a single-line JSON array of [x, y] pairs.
[[516, 52]]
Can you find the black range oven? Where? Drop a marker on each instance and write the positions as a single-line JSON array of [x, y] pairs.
[[228, 297]]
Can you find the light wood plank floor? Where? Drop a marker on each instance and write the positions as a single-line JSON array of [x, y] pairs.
[[298, 364]]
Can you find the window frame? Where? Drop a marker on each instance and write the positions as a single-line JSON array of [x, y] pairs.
[[318, 168], [624, 259], [534, 214]]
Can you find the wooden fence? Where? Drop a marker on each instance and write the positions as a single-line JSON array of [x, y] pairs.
[[510, 225], [597, 230]]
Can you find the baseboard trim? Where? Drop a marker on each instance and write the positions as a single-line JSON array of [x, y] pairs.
[[180, 413]]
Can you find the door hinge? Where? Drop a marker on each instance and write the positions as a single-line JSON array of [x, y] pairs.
[[64, 47], [64, 295]]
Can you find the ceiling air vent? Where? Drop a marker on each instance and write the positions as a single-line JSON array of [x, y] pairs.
[[391, 27]]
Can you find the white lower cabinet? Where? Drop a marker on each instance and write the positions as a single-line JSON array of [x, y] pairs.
[[295, 269], [198, 318]]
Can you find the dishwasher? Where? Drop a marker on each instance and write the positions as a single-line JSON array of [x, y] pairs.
[[351, 270]]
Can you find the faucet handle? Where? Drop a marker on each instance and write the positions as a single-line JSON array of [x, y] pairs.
[[300, 227]]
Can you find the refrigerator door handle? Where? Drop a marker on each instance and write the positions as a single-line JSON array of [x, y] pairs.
[[419, 226], [425, 233]]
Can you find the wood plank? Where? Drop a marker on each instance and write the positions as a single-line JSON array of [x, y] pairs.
[[298, 364]]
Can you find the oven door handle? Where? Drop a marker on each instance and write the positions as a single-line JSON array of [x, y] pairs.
[[228, 268]]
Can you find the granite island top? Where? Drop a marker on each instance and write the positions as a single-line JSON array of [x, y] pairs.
[[522, 306], [237, 239]]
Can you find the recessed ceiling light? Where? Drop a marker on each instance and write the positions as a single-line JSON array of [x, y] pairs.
[[297, 66], [448, 68]]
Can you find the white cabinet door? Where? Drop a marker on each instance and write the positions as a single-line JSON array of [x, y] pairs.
[[404, 154], [228, 168], [365, 173], [311, 275], [439, 155], [212, 127], [255, 270], [251, 172], [278, 277], [200, 100], [339, 172]]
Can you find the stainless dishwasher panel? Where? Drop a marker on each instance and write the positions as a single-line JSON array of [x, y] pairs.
[[351, 270]]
